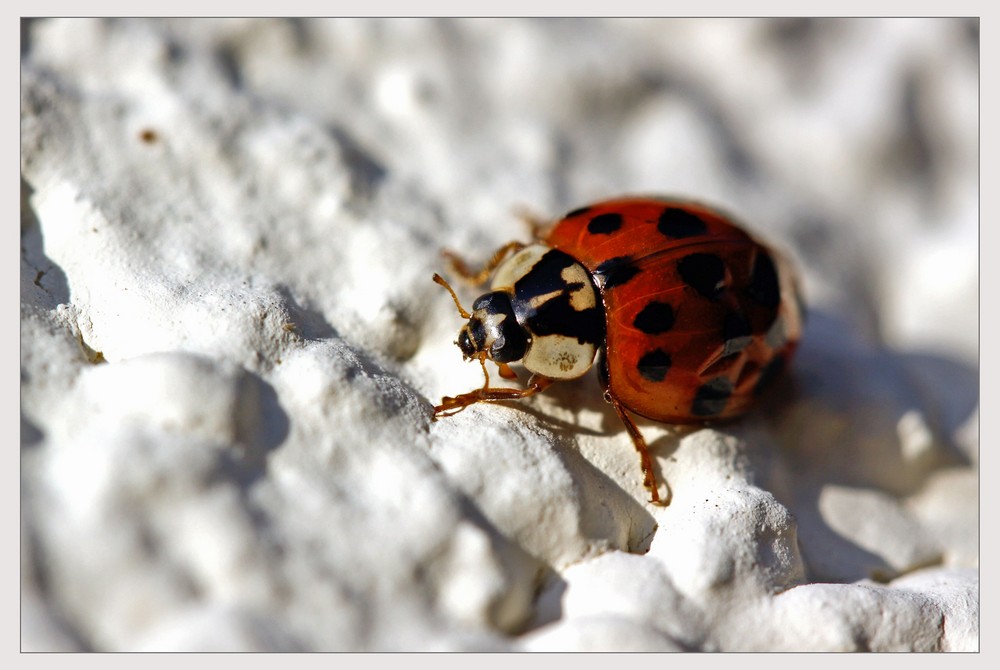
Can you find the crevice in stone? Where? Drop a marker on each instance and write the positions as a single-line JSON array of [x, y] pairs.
[[92, 355]]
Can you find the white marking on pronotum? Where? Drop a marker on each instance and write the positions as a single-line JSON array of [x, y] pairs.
[[517, 266], [540, 300], [582, 297]]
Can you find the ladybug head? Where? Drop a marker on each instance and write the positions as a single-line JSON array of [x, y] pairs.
[[493, 330]]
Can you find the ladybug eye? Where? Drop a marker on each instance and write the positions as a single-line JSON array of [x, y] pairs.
[[472, 337], [465, 343]]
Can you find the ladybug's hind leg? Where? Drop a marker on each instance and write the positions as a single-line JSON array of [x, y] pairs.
[[645, 462]]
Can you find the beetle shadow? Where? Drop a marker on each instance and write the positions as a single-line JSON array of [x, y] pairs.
[[841, 419], [835, 420], [585, 395]]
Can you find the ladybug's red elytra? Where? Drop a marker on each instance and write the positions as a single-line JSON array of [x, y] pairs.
[[687, 316]]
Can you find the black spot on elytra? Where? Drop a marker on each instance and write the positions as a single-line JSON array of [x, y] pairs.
[[764, 288], [712, 397], [704, 273], [604, 224], [556, 315], [655, 318], [577, 212], [736, 333], [768, 374], [616, 271], [654, 365], [675, 222]]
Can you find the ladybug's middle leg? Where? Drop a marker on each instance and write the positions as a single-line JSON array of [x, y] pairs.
[[645, 462]]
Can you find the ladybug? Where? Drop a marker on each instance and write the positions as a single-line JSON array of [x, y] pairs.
[[686, 316]]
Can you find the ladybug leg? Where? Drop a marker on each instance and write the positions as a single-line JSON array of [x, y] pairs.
[[538, 225], [453, 405], [506, 372], [645, 462], [477, 277]]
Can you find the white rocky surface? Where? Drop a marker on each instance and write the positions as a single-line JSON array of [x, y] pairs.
[[230, 343]]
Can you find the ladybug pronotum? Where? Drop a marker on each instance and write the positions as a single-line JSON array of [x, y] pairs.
[[687, 316]]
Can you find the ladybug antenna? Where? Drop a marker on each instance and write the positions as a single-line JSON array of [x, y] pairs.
[[438, 279]]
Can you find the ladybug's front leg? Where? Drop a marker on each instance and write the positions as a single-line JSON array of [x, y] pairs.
[[453, 405], [478, 277]]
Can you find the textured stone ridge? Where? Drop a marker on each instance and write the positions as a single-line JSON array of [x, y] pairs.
[[230, 343]]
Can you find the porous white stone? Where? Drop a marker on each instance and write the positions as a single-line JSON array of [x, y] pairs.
[[231, 345], [872, 617], [601, 634], [626, 587]]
